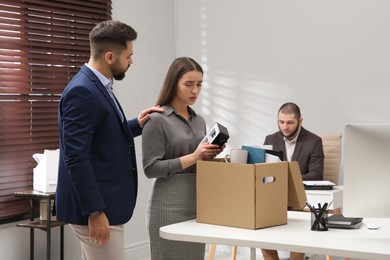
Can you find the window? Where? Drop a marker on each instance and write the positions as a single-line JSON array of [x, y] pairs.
[[43, 43]]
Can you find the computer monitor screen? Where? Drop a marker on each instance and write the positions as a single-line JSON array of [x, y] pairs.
[[366, 170]]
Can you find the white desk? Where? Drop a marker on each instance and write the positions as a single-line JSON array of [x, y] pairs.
[[321, 196], [295, 236]]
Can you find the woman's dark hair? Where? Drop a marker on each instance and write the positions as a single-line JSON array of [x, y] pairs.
[[178, 68]]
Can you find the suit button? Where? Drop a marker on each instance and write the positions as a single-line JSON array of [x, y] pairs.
[[130, 174]]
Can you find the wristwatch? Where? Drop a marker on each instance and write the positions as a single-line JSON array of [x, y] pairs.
[[96, 213]]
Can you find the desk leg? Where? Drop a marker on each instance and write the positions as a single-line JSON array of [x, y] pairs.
[[31, 230], [212, 251], [253, 254], [337, 211], [31, 243], [62, 242], [48, 230]]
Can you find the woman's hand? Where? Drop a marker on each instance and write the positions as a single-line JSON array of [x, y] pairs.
[[207, 151], [204, 151]]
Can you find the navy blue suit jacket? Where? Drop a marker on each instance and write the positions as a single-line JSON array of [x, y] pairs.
[[97, 166], [308, 152]]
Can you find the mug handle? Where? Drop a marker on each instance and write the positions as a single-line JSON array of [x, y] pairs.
[[227, 158]]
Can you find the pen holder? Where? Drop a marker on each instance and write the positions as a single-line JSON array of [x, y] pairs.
[[319, 220]]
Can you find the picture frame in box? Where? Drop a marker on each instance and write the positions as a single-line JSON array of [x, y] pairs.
[[218, 134]]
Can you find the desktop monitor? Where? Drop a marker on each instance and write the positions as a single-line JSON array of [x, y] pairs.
[[366, 170]]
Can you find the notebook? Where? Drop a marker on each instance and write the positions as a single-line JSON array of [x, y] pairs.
[[339, 219]]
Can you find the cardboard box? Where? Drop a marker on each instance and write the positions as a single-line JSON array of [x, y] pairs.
[[296, 190], [237, 195], [233, 194], [45, 174]]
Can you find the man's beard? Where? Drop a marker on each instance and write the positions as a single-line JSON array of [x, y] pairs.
[[117, 72], [119, 75], [292, 134]]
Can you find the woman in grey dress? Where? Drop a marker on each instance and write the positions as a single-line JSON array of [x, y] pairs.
[[171, 146]]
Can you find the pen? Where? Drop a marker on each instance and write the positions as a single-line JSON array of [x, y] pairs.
[[309, 205], [320, 218], [324, 212], [329, 205], [312, 209]]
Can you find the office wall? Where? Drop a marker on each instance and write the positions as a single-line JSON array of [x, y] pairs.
[[153, 52], [330, 57]]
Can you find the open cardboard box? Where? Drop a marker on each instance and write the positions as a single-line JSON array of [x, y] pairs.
[[241, 195]]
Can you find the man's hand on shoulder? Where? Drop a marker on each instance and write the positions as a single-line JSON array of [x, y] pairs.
[[145, 114]]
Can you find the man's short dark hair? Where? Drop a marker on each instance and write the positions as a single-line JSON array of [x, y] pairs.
[[110, 36], [290, 108]]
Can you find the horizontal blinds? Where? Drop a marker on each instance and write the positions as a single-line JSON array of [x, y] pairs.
[[42, 45]]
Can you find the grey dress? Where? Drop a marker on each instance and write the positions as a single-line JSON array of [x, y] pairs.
[[166, 137]]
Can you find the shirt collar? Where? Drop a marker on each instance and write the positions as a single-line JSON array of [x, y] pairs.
[[107, 83], [168, 109]]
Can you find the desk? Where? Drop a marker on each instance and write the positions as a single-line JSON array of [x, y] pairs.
[[295, 236], [314, 197], [41, 224]]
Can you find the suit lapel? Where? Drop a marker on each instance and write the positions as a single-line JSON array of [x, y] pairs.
[[299, 145], [104, 91], [281, 146], [124, 123]]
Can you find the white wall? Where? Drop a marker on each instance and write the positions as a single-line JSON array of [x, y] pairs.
[[154, 50], [330, 57]]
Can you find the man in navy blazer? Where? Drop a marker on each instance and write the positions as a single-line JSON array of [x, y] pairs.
[[297, 144], [97, 177]]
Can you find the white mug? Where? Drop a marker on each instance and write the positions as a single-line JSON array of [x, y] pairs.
[[237, 156]]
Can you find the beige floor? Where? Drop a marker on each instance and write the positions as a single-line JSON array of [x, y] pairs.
[[243, 254]]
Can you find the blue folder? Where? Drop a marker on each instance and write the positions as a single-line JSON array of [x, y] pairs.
[[255, 154]]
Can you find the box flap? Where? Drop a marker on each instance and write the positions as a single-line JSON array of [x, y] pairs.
[[271, 194], [296, 190]]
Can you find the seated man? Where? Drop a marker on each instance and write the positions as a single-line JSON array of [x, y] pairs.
[[297, 143], [300, 145]]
